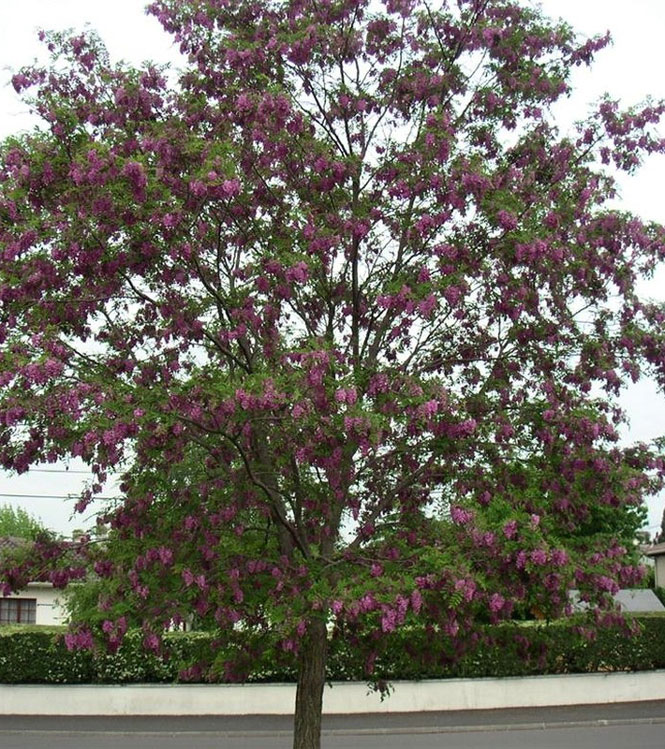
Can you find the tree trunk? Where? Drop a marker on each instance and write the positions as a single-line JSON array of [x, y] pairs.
[[309, 693]]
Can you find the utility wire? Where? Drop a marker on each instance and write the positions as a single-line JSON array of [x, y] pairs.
[[57, 470], [60, 470], [73, 495]]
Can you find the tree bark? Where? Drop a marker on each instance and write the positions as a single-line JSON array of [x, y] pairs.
[[311, 680]]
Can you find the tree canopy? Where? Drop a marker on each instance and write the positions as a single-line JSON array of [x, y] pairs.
[[17, 522], [345, 307]]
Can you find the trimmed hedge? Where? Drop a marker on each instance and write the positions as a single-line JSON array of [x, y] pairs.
[[660, 593], [514, 650], [38, 655]]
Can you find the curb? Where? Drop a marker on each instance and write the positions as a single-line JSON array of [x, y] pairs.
[[395, 731]]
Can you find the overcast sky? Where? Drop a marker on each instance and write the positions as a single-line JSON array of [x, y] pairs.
[[631, 69]]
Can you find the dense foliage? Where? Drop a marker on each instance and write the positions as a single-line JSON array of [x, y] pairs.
[[348, 311], [17, 522], [40, 656]]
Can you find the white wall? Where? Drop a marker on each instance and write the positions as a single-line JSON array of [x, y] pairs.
[[49, 610], [278, 699], [660, 571]]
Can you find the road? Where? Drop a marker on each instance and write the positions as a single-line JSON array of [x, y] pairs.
[[639, 725]]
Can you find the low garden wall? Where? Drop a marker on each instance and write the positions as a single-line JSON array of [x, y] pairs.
[[338, 698]]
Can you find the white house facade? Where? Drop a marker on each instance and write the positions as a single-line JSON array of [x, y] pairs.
[[38, 603], [657, 553]]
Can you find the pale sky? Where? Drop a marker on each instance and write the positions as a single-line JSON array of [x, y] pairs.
[[631, 69]]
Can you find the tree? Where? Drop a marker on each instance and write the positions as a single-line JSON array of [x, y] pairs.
[[15, 521], [348, 310]]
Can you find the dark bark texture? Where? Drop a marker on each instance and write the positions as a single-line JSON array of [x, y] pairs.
[[309, 693]]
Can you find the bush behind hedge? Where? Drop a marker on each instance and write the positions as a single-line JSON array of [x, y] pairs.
[[38, 655]]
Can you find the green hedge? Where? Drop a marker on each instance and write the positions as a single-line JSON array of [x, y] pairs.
[[660, 593], [514, 650], [38, 655]]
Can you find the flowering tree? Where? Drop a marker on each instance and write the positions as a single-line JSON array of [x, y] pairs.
[[347, 309]]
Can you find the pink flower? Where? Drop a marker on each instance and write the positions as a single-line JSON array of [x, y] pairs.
[[81, 640], [427, 306], [188, 577], [231, 187], [197, 188], [243, 103], [134, 171], [607, 584], [389, 621], [510, 529], [20, 81], [459, 515], [297, 273], [559, 557], [496, 602], [376, 570], [429, 408], [151, 641], [507, 220], [538, 556], [367, 602], [53, 368], [451, 627], [467, 587], [452, 295]]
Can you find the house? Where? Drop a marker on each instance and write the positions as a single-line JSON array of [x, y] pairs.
[[657, 553], [37, 603]]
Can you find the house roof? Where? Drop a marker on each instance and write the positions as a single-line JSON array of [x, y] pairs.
[[638, 599], [630, 600], [11, 543], [656, 550]]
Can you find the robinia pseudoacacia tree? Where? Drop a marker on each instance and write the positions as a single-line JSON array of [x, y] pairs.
[[348, 311]]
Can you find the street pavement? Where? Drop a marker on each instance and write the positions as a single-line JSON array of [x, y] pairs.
[[623, 726]]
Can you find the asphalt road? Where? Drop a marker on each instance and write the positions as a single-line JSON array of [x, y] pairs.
[[626, 726]]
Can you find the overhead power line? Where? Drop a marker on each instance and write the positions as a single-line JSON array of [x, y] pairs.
[[51, 496], [62, 470], [58, 470]]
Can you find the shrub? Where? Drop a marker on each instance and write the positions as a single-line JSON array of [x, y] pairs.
[[36, 655], [660, 592], [31, 655]]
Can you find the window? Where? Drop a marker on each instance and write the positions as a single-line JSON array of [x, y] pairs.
[[18, 610]]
